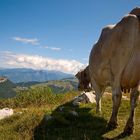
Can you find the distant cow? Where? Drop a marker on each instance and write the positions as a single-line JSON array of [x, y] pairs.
[[115, 61]]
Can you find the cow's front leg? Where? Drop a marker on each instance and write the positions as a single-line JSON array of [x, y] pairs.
[[116, 98], [128, 130]]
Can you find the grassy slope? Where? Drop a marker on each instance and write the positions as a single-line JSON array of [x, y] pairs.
[[87, 126]]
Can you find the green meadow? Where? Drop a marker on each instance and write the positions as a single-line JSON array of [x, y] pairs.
[[31, 108]]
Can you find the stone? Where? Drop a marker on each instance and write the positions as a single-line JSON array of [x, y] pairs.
[[74, 113], [48, 117], [86, 97], [5, 112]]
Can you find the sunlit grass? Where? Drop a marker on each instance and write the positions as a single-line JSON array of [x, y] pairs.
[[31, 106]]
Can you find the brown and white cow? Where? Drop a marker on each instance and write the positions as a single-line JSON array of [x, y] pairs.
[[115, 61]]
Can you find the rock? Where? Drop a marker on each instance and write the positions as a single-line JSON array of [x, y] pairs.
[[3, 79], [90, 97], [19, 113], [24, 109], [5, 112], [125, 97], [48, 117], [74, 113], [86, 97], [61, 108]]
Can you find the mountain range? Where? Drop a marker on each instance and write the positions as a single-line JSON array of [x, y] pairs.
[[17, 75]]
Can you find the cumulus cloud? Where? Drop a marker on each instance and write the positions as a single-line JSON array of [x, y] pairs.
[[33, 41], [39, 62], [53, 48]]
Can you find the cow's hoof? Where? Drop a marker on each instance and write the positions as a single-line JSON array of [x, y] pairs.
[[128, 131], [112, 126]]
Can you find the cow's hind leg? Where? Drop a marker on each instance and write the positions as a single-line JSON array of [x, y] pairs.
[[133, 102], [116, 97], [98, 101], [98, 92]]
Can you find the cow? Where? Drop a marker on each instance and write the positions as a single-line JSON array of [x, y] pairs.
[[84, 82], [114, 61]]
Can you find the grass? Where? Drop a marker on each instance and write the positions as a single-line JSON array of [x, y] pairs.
[[31, 107]]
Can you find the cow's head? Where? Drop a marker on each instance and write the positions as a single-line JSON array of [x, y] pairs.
[[84, 80]]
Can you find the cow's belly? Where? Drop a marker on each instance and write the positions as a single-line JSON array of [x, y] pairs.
[[131, 73], [101, 73]]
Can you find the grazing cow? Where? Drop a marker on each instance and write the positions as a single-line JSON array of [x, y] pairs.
[[115, 61], [83, 76]]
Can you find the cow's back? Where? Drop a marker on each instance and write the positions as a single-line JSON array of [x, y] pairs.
[[112, 52]]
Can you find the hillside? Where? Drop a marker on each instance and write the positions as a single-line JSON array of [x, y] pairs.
[[6, 88], [9, 89], [17, 75], [57, 86], [31, 122]]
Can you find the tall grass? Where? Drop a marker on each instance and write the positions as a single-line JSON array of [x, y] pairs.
[[36, 96], [29, 106]]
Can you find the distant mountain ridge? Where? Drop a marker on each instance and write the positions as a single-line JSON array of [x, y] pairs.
[[17, 75]]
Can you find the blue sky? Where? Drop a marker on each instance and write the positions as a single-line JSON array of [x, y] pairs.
[[55, 34]]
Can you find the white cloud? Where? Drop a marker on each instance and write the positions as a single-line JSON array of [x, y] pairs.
[[33, 41], [53, 48], [39, 62]]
